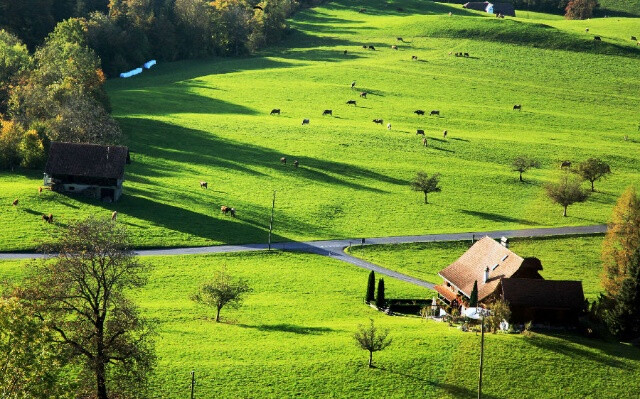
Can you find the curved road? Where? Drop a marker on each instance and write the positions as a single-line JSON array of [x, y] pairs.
[[335, 248]]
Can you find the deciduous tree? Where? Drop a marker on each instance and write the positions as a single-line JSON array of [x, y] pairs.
[[426, 184], [580, 9], [371, 339], [523, 163], [80, 296], [623, 319], [593, 169], [222, 290], [567, 191]]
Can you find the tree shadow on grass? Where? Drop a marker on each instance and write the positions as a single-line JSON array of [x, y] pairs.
[[494, 217], [421, 7], [610, 354], [289, 328]]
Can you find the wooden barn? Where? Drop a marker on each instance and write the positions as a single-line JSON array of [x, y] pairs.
[[502, 274], [95, 171]]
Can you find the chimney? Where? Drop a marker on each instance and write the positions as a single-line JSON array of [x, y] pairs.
[[486, 275], [505, 242]]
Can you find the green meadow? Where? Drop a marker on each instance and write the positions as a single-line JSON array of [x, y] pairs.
[[293, 338], [208, 120]]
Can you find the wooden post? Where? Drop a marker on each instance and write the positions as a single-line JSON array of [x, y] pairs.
[[193, 382], [273, 205], [481, 357]]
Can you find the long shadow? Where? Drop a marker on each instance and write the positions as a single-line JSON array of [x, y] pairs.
[[400, 7], [494, 217], [289, 328], [616, 352]]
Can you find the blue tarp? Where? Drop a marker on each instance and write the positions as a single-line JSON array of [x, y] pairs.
[[149, 64], [129, 74]]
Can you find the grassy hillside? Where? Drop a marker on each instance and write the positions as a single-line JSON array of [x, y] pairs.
[[293, 338], [575, 258], [209, 120]]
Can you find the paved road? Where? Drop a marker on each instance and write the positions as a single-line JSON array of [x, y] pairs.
[[335, 248]]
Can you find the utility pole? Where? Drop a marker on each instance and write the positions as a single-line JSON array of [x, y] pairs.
[[273, 205], [481, 357], [193, 383]]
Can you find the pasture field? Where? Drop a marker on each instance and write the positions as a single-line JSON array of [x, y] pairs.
[[293, 338], [563, 258], [209, 120]]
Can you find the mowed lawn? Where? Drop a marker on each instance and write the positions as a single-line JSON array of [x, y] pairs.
[[208, 120], [563, 258], [293, 338]]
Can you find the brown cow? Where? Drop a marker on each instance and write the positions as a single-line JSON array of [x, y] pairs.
[[39, 190], [363, 94], [48, 219], [224, 209], [15, 202], [204, 184], [114, 215], [424, 141]]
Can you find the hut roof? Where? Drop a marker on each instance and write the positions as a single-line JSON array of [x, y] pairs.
[[549, 294], [89, 160], [470, 267]]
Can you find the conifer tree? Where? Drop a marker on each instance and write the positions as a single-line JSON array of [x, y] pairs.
[[473, 299], [371, 287], [380, 301], [624, 317]]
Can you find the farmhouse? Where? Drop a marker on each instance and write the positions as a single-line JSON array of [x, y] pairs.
[[506, 9], [502, 274], [92, 170]]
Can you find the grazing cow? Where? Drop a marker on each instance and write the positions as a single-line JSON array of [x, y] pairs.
[[283, 160], [233, 212], [363, 94], [305, 121], [466, 54], [353, 84], [587, 30], [388, 126], [296, 163], [378, 121], [364, 46], [394, 47], [15, 202], [224, 209], [48, 219], [39, 190], [597, 38], [418, 112], [420, 131], [414, 57], [444, 134], [204, 184], [372, 48], [565, 164], [345, 52], [434, 112], [351, 102], [114, 216], [400, 39], [424, 141], [634, 38], [327, 112], [275, 111], [517, 107]]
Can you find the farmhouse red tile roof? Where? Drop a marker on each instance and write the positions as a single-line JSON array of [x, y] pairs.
[[549, 294], [470, 267], [445, 292], [90, 160]]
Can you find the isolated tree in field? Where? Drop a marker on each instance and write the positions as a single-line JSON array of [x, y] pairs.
[[623, 319], [580, 9], [222, 290], [371, 287], [473, 299], [80, 295], [380, 300], [371, 339], [523, 163], [621, 242], [30, 362], [567, 191], [426, 184], [593, 169]]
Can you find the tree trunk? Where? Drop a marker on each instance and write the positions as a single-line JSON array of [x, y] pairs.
[[99, 366], [218, 314], [521, 177], [593, 190], [425, 198], [370, 359], [565, 211]]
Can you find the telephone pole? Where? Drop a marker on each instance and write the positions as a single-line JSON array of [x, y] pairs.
[[273, 205]]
